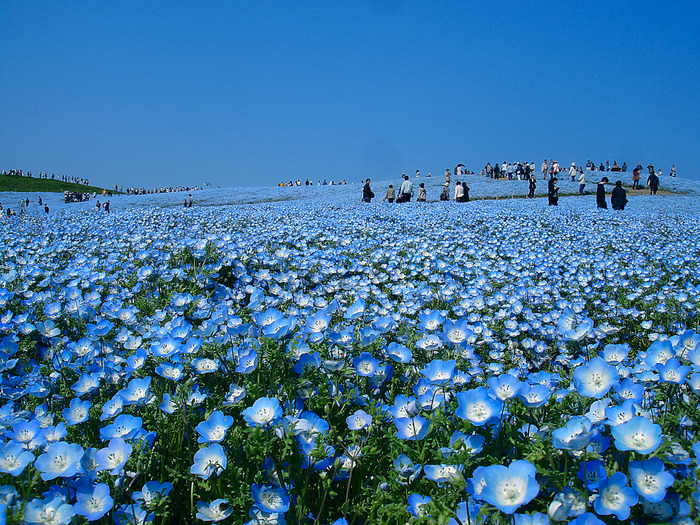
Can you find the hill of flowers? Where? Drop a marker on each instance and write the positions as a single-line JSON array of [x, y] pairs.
[[320, 361]]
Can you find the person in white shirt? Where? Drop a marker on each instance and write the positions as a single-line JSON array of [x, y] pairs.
[[406, 190]]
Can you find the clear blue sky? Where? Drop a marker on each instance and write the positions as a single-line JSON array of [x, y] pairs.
[[251, 93]]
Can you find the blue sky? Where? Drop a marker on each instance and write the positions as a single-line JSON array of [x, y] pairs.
[[251, 93]]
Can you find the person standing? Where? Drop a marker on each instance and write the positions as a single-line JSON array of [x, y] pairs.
[[448, 177], [553, 192], [652, 181], [390, 194], [545, 169], [421, 193], [600, 194], [465, 191], [581, 182], [367, 192], [406, 190], [618, 198], [572, 171], [673, 170], [533, 185], [636, 176], [459, 192]]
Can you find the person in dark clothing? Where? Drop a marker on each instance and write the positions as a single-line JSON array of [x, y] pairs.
[[652, 182], [367, 192], [533, 186], [466, 192], [106, 205], [618, 198], [553, 192], [600, 194]]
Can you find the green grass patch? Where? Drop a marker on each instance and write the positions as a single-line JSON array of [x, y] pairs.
[[32, 184]]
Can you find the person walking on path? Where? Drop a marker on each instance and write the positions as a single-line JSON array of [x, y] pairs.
[[367, 192], [600, 194], [618, 198], [390, 194]]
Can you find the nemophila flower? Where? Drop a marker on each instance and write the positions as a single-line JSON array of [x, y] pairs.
[[264, 412], [504, 386], [94, 504], [650, 479], [587, 518], [169, 405], [100, 329], [591, 473], [574, 436], [167, 347], [365, 365], [86, 384], [130, 514], [247, 362], [429, 342], [368, 335], [439, 372], [48, 329], [571, 327], [55, 433], [615, 497], [595, 378], [531, 519], [27, 433], [208, 461], [269, 498], [137, 391], [170, 371], [406, 470], [478, 407], [568, 503], [214, 429], [359, 420], [398, 353], [151, 493], [629, 390], [508, 488], [114, 456], [672, 371], [456, 332], [235, 394], [54, 511], [417, 505], [125, 426], [412, 428], [467, 512], [617, 415], [318, 322], [76, 412], [355, 310], [638, 434], [615, 354], [217, 510], [14, 458], [61, 459], [431, 320], [598, 410], [136, 360], [445, 474], [204, 365], [534, 396]]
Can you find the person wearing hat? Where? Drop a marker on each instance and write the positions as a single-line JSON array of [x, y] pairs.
[[553, 192], [600, 194], [573, 171], [445, 193]]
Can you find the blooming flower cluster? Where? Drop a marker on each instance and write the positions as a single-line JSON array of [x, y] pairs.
[[304, 363]]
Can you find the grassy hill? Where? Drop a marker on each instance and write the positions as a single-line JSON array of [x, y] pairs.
[[31, 184]]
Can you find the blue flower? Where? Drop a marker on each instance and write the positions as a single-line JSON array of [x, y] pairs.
[[137, 391], [114, 456], [151, 493], [61, 459], [398, 353], [508, 488], [534, 396], [574, 436], [14, 459], [365, 365], [504, 386], [247, 362], [214, 429], [615, 497], [412, 428], [125, 426], [270, 499], [37, 511], [406, 470], [672, 371], [416, 504], [264, 412], [445, 474], [95, 504], [591, 473], [359, 420], [595, 378], [571, 328], [217, 510], [356, 310], [439, 372], [431, 320], [638, 434], [27, 433], [76, 412], [650, 479], [477, 406], [170, 371], [209, 461]]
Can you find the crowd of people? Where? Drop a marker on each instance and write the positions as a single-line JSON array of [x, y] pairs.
[[152, 191], [341, 182], [23, 206], [44, 175]]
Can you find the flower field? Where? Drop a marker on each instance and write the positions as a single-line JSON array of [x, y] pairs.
[[318, 361]]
